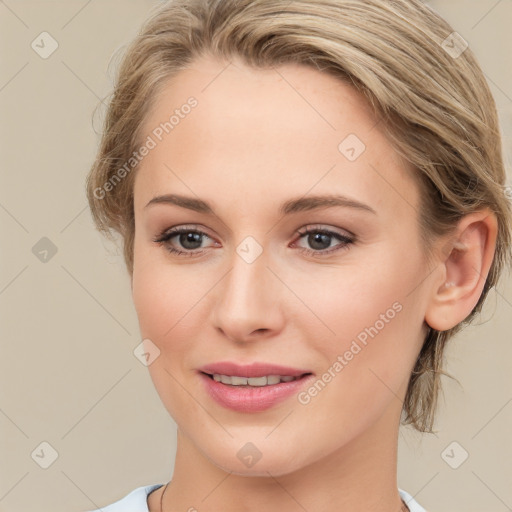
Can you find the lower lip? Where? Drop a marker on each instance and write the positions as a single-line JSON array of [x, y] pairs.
[[253, 399]]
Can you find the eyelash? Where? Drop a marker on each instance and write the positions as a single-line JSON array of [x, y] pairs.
[[166, 236]]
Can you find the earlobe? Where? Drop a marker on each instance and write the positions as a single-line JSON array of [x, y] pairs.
[[465, 267]]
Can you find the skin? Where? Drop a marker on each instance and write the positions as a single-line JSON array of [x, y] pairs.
[[257, 139]]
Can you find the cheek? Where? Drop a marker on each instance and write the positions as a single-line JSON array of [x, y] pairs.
[[369, 316], [350, 298], [167, 305], [163, 293]]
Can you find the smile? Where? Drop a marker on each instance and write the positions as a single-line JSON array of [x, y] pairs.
[[252, 394], [268, 380]]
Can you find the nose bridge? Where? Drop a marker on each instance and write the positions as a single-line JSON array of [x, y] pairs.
[[246, 283], [248, 295]]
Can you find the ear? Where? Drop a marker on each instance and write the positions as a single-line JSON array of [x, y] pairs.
[[465, 266]]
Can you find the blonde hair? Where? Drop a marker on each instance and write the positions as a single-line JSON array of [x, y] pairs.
[[429, 92]]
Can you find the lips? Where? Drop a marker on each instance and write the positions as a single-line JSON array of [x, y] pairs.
[[252, 370], [256, 395]]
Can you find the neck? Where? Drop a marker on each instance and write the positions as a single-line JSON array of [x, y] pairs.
[[358, 477]]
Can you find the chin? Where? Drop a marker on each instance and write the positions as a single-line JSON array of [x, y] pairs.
[[264, 467]]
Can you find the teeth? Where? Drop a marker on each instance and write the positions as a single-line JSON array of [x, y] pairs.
[[236, 381], [268, 380]]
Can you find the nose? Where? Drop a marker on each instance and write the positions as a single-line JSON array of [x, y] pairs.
[[249, 301]]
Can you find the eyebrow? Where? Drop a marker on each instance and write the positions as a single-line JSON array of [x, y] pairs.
[[300, 204]]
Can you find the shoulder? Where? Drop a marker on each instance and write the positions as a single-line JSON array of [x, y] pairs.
[[413, 505], [136, 501]]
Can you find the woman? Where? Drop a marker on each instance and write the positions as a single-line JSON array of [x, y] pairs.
[[311, 200]]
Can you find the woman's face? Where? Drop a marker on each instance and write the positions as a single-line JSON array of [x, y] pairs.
[[344, 303]]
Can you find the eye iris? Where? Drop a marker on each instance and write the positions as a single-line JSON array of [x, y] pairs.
[[185, 238], [320, 238]]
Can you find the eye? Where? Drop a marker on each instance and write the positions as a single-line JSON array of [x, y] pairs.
[[320, 240], [189, 238]]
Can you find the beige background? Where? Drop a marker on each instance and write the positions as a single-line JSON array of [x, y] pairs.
[[68, 327]]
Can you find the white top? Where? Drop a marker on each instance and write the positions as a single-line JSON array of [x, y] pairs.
[[137, 501]]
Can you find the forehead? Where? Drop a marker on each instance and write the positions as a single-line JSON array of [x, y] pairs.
[[287, 126], [228, 92]]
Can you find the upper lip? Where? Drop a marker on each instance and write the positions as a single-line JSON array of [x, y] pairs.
[[251, 370]]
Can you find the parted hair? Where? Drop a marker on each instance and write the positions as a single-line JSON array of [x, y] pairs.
[[417, 74]]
